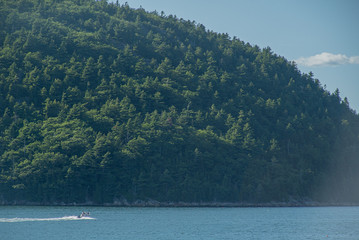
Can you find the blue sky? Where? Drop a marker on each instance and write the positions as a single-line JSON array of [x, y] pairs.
[[322, 36]]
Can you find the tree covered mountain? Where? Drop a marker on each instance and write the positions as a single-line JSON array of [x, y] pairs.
[[99, 102]]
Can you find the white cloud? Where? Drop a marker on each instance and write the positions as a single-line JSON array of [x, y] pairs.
[[327, 59]]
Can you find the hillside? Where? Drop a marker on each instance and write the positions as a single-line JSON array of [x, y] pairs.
[[100, 102]]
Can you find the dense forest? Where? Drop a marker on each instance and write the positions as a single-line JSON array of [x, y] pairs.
[[100, 102]]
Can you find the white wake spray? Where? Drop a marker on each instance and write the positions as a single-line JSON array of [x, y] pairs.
[[66, 218]]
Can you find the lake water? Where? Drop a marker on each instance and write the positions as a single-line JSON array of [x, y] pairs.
[[55, 223]]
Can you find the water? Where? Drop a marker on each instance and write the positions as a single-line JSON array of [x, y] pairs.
[[105, 223]]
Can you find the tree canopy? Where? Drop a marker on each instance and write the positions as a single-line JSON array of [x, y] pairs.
[[99, 101]]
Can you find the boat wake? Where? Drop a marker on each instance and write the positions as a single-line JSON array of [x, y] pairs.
[[66, 218]]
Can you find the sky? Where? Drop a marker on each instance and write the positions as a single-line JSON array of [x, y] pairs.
[[321, 36]]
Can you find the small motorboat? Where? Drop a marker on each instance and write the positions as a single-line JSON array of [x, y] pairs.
[[84, 214]]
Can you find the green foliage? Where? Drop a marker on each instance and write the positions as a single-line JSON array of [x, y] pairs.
[[101, 102]]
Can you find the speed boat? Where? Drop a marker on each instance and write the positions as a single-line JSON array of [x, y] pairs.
[[84, 214]]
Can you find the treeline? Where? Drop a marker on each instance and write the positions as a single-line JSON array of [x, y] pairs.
[[99, 101]]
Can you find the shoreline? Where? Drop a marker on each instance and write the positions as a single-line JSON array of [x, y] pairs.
[[152, 203]]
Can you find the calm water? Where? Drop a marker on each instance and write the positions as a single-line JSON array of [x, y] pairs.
[[57, 223]]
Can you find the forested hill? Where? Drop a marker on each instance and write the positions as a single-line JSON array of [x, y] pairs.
[[100, 102]]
